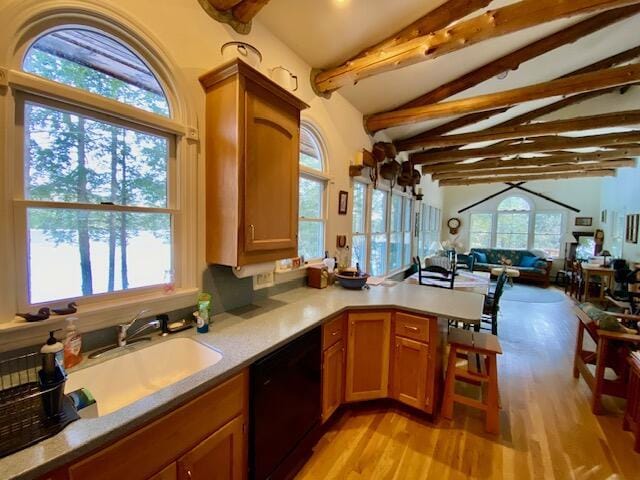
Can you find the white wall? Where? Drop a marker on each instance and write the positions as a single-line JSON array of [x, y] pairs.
[[583, 194]]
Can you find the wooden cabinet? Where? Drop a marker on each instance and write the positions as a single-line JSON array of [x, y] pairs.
[[332, 379], [211, 423], [368, 336], [168, 473], [219, 457], [410, 368], [252, 154]]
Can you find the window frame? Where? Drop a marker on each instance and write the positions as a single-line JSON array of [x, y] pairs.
[[365, 223], [321, 177], [532, 212], [101, 309]]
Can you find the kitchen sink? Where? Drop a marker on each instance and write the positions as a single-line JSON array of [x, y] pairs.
[[122, 380]]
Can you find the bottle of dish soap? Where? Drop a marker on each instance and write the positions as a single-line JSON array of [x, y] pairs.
[[52, 356], [72, 344]]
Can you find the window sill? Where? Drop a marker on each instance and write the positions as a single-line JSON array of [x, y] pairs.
[[14, 334]]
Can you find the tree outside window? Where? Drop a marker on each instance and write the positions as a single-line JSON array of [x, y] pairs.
[[512, 230]]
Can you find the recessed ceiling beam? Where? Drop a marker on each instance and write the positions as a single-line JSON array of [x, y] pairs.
[[565, 158], [517, 170], [618, 119], [528, 178], [585, 82], [557, 143], [414, 142], [436, 19], [492, 24], [513, 60]]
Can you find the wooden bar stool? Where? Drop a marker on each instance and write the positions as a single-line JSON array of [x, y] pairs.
[[487, 347]]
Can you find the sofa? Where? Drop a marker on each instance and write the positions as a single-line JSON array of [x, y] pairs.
[[531, 267]]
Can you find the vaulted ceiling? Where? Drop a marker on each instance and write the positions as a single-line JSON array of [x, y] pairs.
[[328, 33]]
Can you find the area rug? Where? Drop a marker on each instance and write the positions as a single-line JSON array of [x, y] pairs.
[[531, 294]]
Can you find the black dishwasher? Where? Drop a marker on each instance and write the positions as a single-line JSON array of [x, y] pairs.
[[285, 408]]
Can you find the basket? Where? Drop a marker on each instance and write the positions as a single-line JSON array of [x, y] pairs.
[[30, 409]]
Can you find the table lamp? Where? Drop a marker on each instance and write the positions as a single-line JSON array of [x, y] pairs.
[[605, 254]]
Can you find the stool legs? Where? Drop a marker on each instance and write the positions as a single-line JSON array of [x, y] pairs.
[[449, 384], [492, 420]]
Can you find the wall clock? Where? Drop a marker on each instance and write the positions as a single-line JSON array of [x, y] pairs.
[[454, 225]]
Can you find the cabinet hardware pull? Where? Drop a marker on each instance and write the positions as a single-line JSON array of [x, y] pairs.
[[333, 334], [253, 231], [412, 329], [189, 473]]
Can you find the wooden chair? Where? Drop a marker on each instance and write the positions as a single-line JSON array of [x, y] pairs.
[[492, 305], [474, 346], [632, 412], [611, 352], [434, 272]]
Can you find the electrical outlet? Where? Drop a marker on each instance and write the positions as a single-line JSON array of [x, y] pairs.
[[263, 280]]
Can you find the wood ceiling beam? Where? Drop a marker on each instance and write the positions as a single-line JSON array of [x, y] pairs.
[[438, 18], [492, 24], [414, 142], [517, 170], [247, 9], [585, 82], [527, 178], [557, 143], [563, 158], [618, 119], [513, 60]]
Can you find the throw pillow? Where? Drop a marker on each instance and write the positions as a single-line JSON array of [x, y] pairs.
[[481, 257], [528, 261]]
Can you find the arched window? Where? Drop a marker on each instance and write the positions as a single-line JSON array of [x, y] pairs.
[[99, 191], [517, 225], [95, 62], [313, 184], [513, 223]]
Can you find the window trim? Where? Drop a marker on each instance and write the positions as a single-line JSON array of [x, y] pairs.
[[531, 229], [321, 177], [22, 204], [32, 19]]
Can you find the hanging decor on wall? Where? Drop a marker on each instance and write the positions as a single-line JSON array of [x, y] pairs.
[[343, 199], [633, 223], [584, 221], [603, 217], [454, 225]]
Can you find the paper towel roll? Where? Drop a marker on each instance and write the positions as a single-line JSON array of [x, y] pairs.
[[251, 270]]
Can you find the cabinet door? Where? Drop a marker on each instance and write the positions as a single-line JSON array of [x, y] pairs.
[[332, 379], [168, 473], [411, 361], [368, 356], [218, 457], [272, 144]]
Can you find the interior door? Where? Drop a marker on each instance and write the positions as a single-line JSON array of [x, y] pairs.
[[218, 457], [368, 356], [272, 147]]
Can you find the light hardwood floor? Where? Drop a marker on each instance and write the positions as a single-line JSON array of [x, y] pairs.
[[547, 428]]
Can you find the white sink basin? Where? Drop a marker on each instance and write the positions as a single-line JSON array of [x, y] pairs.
[[122, 380]]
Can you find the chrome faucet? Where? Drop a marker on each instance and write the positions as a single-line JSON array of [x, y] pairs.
[[123, 328]]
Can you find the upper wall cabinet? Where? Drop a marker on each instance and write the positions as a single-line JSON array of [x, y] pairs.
[[252, 149]]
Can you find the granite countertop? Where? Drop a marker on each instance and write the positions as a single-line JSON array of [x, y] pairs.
[[242, 336]]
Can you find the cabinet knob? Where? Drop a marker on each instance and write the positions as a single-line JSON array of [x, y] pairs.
[[189, 475], [333, 334], [412, 329], [252, 228]]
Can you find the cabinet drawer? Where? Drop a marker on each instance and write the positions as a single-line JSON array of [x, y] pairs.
[[332, 332], [412, 326]]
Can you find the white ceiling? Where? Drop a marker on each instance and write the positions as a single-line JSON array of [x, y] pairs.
[[327, 32]]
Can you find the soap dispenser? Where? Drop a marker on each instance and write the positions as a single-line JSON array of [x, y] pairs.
[[72, 344], [52, 356]]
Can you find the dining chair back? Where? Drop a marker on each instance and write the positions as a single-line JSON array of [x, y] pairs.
[[437, 273]]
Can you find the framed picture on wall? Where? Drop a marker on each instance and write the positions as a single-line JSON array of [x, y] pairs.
[[343, 199], [632, 226], [584, 221]]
